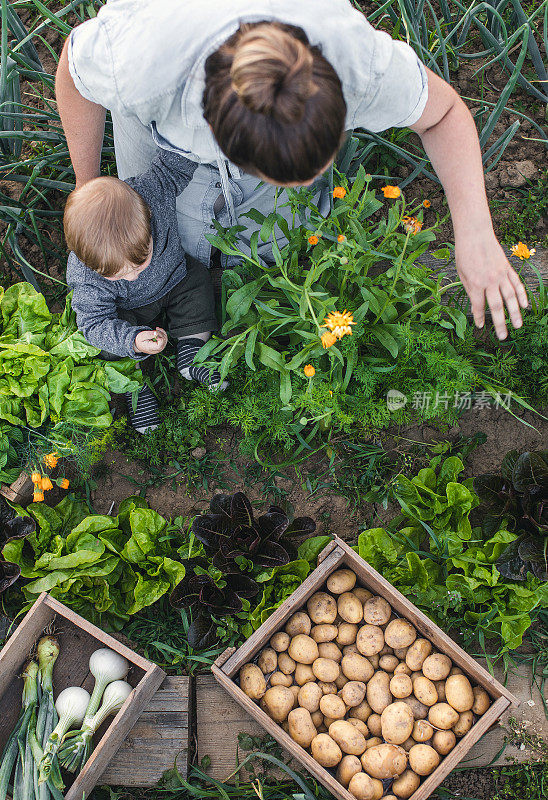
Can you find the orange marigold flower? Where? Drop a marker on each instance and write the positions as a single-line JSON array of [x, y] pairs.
[[64, 484], [411, 225], [391, 191], [339, 323], [341, 238], [522, 252], [328, 339], [51, 459], [38, 497], [426, 203], [36, 477], [313, 240], [46, 484], [339, 191], [309, 371]]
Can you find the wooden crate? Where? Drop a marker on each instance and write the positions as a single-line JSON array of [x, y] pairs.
[[336, 555], [20, 491], [78, 639]]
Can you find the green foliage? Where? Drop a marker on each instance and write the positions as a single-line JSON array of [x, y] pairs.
[[48, 369], [11, 438], [106, 568], [447, 568], [523, 212]]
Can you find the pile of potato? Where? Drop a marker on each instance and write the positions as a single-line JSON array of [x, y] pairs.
[[355, 686]]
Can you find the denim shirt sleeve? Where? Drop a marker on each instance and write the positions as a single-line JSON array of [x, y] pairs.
[[91, 64]]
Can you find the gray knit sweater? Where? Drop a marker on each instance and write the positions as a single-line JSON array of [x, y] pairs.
[[97, 300]]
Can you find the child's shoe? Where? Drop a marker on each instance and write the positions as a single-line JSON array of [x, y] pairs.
[[186, 352], [145, 417]]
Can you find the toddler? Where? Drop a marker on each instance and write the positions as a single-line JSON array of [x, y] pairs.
[[127, 266]]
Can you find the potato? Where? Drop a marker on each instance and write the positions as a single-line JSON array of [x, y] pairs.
[[340, 581], [303, 674], [280, 641], [361, 593], [301, 728], [443, 742], [360, 725], [425, 691], [322, 608], [348, 649], [303, 649], [332, 706], [376, 611], [400, 685], [378, 692], [268, 660], [309, 696], [330, 650], [386, 651], [286, 664], [324, 633], [420, 711], [423, 759], [349, 739], [328, 687], [295, 689], [459, 693], [400, 652], [389, 797], [373, 742], [356, 668], [325, 750], [252, 681], [388, 663], [374, 724], [280, 679], [402, 669], [340, 681], [317, 718], [278, 702], [353, 693], [443, 716], [346, 634], [456, 671], [465, 722], [415, 656], [327, 722], [436, 666], [415, 675], [348, 767], [350, 608], [408, 744], [361, 786], [363, 711], [374, 660], [399, 633], [422, 731], [325, 669], [406, 784], [370, 640], [396, 723], [298, 623], [440, 689], [384, 761], [482, 701]]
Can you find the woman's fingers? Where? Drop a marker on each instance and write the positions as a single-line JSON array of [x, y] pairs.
[[521, 292], [496, 305], [477, 304], [512, 303]]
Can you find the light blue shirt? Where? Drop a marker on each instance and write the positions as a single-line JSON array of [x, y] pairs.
[[144, 61]]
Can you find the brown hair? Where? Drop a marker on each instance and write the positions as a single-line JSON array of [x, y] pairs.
[[107, 225], [274, 103]]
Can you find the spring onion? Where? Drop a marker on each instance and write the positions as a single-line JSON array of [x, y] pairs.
[[16, 744], [71, 706], [77, 745], [106, 666]]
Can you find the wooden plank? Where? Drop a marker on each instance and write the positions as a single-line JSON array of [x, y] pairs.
[[158, 738], [20, 491], [21, 641], [258, 639]]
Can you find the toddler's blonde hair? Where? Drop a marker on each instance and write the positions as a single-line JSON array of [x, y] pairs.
[[107, 225]]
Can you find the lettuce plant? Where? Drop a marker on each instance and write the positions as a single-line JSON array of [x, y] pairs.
[[12, 527], [517, 499]]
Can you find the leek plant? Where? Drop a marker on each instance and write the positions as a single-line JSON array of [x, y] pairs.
[[16, 752]]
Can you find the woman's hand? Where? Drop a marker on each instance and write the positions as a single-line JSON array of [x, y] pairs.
[[150, 342], [486, 275]]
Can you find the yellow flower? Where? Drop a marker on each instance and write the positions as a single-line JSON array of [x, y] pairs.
[[426, 203], [328, 340], [46, 484], [309, 371], [522, 252], [36, 477], [411, 225], [339, 191], [341, 238], [313, 240], [38, 497], [64, 483], [339, 323], [51, 459], [391, 191]]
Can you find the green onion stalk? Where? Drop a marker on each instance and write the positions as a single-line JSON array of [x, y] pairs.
[[71, 707], [47, 719], [15, 752]]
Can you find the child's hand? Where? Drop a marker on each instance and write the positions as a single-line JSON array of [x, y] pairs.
[[150, 342]]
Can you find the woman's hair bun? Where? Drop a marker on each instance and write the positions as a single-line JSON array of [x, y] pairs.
[[272, 72]]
